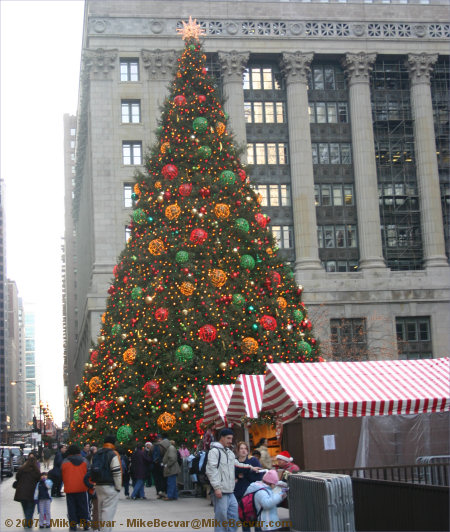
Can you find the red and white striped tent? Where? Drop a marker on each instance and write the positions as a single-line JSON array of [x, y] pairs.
[[351, 389], [217, 399], [246, 399]]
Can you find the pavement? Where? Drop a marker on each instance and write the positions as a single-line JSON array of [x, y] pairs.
[[186, 514]]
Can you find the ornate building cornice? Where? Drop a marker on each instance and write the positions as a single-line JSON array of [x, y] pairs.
[[296, 66], [233, 65], [420, 67], [358, 66], [159, 63], [100, 61]]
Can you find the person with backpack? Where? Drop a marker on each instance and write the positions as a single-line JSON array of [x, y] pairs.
[[140, 462], [220, 470], [106, 472], [43, 499], [244, 477], [171, 469], [74, 470], [259, 503]]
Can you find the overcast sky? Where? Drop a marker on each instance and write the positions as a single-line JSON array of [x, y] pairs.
[[40, 61]]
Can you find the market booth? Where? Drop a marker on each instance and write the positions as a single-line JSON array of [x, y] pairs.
[[217, 399], [360, 414]]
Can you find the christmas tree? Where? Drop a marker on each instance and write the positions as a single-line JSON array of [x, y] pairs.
[[199, 293]]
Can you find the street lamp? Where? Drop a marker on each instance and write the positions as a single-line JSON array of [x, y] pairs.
[[38, 386]]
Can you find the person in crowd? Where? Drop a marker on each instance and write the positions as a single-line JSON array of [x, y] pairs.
[[125, 463], [93, 501], [285, 465], [257, 455], [108, 491], [171, 469], [208, 438], [140, 462], [266, 460], [74, 471], [42, 494], [158, 469], [149, 452], [27, 477], [220, 470], [184, 451], [55, 474], [85, 451], [47, 454], [266, 500]]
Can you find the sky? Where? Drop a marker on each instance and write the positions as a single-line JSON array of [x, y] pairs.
[[40, 63]]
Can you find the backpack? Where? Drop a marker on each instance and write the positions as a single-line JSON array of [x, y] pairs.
[[202, 473], [247, 507], [179, 458], [101, 467]]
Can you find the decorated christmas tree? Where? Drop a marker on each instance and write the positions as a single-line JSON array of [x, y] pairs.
[[199, 293]]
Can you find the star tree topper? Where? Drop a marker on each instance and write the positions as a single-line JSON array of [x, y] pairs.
[[191, 29]]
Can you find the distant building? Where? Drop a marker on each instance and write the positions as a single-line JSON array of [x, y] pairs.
[[31, 388], [343, 109]]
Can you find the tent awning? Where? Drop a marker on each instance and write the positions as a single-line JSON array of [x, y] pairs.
[[217, 399], [351, 389], [246, 399]]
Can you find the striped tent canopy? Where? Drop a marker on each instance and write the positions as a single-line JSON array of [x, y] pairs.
[[246, 398], [351, 389], [217, 399]]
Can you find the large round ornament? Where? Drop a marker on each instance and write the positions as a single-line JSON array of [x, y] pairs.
[[298, 315], [222, 211], [173, 211], [120, 400], [130, 355], [238, 300], [304, 348], [273, 280], [94, 357], [136, 293], [242, 225], [161, 314], [165, 147], [95, 384], [207, 333], [76, 415], [220, 128], [182, 257], [124, 433], [261, 220], [184, 353], [156, 247], [227, 177], [169, 171], [185, 189], [242, 174], [269, 323], [200, 124], [204, 152], [139, 216], [198, 236], [179, 100], [282, 303], [100, 408], [166, 421], [247, 262], [116, 329], [187, 288], [151, 388], [218, 277], [249, 346], [89, 427]]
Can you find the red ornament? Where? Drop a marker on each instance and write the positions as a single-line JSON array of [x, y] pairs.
[[185, 189], [201, 98], [205, 192], [179, 100], [94, 357], [100, 408], [160, 288], [273, 280], [161, 314], [198, 236], [261, 220], [207, 333], [306, 324], [151, 388], [112, 290], [242, 174], [238, 203], [167, 195], [204, 71], [198, 427], [268, 323], [169, 171]]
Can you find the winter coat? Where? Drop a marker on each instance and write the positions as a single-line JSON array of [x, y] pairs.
[[140, 462], [220, 471], [245, 477], [74, 471], [27, 477], [266, 460], [266, 502], [170, 461], [43, 490]]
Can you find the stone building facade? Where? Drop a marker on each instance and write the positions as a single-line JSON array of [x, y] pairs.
[[341, 108]]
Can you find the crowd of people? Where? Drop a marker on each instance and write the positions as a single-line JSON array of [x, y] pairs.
[[93, 478]]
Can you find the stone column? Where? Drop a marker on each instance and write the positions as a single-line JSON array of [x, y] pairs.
[[358, 67], [420, 67], [233, 65], [159, 65], [296, 67]]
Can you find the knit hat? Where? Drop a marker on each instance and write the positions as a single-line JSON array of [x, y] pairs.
[[284, 455], [271, 477], [225, 432]]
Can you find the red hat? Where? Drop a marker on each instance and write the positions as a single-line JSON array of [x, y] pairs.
[[284, 455]]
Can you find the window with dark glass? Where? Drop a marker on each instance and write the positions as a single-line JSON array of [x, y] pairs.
[[414, 337], [349, 339]]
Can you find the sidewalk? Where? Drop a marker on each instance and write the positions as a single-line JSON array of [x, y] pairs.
[[185, 514]]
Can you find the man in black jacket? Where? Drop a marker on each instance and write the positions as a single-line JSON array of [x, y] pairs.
[[56, 475]]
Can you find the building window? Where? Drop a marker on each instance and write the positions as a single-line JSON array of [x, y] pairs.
[[267, 153], [349, 339], [264, 112], [129, 69], [340, 266], [326, 77], [413, 337], [73, 132], [284, 236], [337, 236], [261, 78], [128, 201], [132, 152], [333, 195], [274, 195], [131, 111], [127, 233], [331, 153], [328, 112]]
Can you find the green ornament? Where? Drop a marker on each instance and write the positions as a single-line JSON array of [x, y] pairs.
[[298, 315], [227, 177], [238, 300], [184, 353], [192, 47], [76, 415], [120, 303], [136, 293], [204, 152], [182, 257], [200, 124], [255, 327], [304, 348], [134, 196], [242, 225], [225, 114], [116, 329], [251, 308], [150, 219], [133, 257], [247, 262], [124, 433], [139, 216]]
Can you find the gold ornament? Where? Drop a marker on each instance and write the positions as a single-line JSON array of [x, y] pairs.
[[156, 247], [164, 147], [174, 389], [159, 199], [218, 277], [104, 317], [148, 300], [120, 400], [173, 211], [130, 355], [101, 339], [281, 302], [269, 251], [158, 185], [89, 427], [184, 312], [249, 346], [191, 401], [220, 128], [80, 395], [95, 384], [223, 366], [166, 421], [136, 189], [184, 407], [123, 336], [187, 289], [222, 211]]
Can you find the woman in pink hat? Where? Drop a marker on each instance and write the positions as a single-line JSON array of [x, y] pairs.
[[285, 465]]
